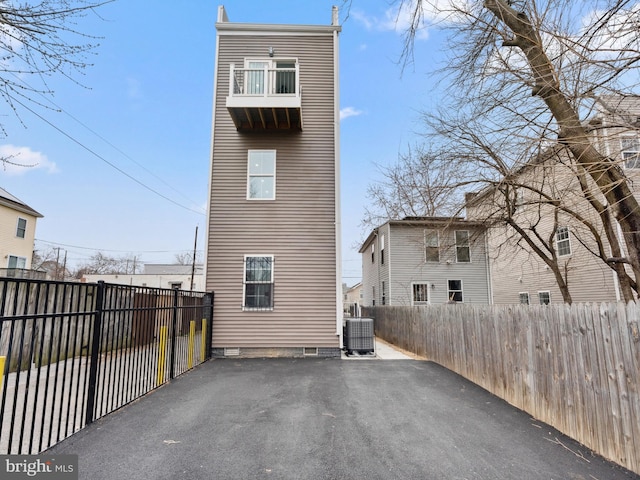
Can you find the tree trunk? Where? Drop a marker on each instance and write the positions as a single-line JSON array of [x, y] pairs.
[[606, 174]]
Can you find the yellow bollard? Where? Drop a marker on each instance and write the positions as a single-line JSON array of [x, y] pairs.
[[192, 335], [2, 359], [203, 340], [162, 354]]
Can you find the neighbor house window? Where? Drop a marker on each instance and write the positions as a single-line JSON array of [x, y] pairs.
[[261, 169], [373, 253], [267, 76], [431, 246], [562, 241], [373, 291], [420, 294], [21, 230], [382, 250], [17, 262], [631, 151], [463, 254], [524, 298], [258, 282], [384, 294], [544, 297], [455, 291]]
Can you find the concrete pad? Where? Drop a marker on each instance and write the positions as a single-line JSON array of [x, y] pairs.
[[319, 419]]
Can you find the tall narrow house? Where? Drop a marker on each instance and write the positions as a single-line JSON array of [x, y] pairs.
[[274, 226]]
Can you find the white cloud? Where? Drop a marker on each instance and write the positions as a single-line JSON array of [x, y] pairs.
[[349, 112], [400, 18], [16, 160]]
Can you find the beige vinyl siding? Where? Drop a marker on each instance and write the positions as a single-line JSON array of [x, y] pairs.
[[298, 227], [10, 243]]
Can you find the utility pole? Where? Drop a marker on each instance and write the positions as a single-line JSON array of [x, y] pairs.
[[57, 261], [64, 266], [193, 263]]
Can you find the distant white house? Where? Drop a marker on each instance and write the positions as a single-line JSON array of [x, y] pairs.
[[425, 260], [17, 235], [157, 275]]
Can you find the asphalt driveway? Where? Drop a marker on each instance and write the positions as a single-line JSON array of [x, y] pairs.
[[327, 419]]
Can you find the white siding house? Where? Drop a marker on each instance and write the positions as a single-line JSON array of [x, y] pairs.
[[425, 260]]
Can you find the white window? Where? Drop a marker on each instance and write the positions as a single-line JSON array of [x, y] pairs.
[[17, 262], [21, 229], [455, 291], [524, 298], [431, 246], [544, 298], [258, 282], [262, 175], [373, 253], [420, 294], [463, 253], [631, 151], [382, 251], [373, 292], [563, 244]]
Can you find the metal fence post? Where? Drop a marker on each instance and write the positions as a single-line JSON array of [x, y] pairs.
[[174, 330], [208, 302], [95, 353]]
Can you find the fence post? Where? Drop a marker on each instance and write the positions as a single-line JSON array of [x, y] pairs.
[[95, 353], [208, 302], [174, 330]]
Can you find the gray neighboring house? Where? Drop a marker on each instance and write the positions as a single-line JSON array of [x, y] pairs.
[[425, 260], [274, 216]]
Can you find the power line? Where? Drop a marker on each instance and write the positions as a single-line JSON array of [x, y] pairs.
[[124, 154], [97, 155], [48, 242]]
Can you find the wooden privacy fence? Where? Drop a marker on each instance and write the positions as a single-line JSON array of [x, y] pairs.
[[575, 367]]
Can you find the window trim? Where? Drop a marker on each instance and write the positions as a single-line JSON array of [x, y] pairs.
[[427, 246], [244, 283], [540, 298], [635, 152], [458, 246], [566, 240], [23, 230], [250, 176], [449, 290], [427, 289], [18, 258]]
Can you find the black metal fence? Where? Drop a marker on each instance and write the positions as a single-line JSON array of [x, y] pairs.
[[75, 352]]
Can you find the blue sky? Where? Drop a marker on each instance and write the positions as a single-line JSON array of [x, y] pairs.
[[144, 107]]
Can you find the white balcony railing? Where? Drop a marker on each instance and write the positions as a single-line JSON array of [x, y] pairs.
[[264, 82]]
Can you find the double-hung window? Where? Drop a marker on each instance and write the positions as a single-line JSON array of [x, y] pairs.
[[524, 298], [261, 184], [544, 297], [420, 294], [431, 246], [630, 151], [463, 253], [563, 244], [21, 229], [455, 290], [258, 282], [17, 262]]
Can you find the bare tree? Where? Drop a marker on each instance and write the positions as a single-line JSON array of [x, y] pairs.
[[417, 185], [39, 39], [101, 264], [530, 74]]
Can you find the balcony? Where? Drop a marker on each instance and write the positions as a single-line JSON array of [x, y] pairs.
[[266, 98]]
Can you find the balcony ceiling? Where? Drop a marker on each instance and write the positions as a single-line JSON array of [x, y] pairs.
[[266, 118]]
